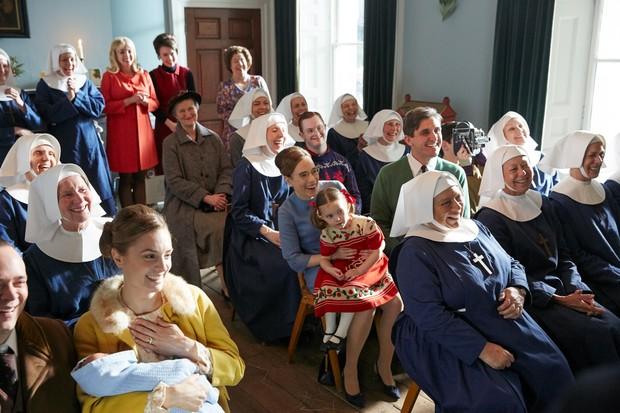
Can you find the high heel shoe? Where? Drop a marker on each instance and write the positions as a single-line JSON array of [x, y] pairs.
[[390, 390], [358, 400]]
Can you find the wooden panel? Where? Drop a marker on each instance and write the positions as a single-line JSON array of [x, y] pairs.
[[208, 29], [239, 29]]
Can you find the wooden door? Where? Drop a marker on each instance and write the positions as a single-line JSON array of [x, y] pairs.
[[208, 32]]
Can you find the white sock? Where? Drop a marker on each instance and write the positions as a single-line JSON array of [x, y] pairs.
[[343, 326], [330, 326]]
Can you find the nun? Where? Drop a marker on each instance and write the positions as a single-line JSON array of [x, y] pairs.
[[587, 211], [64, 264], [464, 336], [29, 157], [347, 126], [384, 136], [17, 113], [70, 104], [513, 129], [251, 105], [292, 107], [523, 222], [262, 286]]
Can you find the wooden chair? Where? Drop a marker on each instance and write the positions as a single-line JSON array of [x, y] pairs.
[[306, 307], [410, 399]]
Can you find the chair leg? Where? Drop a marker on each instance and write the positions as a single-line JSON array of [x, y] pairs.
[[335, 363], [410, 399], [302, 310]]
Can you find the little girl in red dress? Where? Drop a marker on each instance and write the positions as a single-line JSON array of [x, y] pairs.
[[358, 283]]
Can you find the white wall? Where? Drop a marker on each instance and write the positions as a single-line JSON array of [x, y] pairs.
[[61, 21], [451, 57]]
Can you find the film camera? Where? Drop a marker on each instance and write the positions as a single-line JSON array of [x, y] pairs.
[[465, 133]]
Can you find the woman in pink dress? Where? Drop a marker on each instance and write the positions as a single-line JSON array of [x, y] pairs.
[[238, 61]]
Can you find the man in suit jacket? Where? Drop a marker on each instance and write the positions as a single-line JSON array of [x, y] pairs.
[[43, 347], [422, 129]]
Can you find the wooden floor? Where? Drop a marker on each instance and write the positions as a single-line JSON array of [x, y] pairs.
[[271, 384]]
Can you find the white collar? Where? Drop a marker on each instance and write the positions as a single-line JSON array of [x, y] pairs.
[[82, 246], [59, 82], [386, 153], [264, 162], [20, 191], [294, 132], [11, 342], [3, 96], [351, 130], [467, 231], [415, 165], [520, 208], [584, 192]]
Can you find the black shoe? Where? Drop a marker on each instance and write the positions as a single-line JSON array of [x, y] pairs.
[[390, 390], [358, 400], [332, 345]]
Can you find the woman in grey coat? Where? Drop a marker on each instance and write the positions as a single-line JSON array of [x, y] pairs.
[[198, 176]]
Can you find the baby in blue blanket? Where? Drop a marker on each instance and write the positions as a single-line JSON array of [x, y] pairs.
[[102, 375]]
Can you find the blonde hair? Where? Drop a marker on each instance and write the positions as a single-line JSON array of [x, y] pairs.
[[326, 196], [117, 43]]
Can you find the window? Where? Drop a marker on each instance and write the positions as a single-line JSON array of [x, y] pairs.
[[331, 52], [605, 86]]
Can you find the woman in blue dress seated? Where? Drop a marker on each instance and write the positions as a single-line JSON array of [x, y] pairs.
[[70, 104], [587, 211], [301, 249], [64, 264], [383, 136], [17, 114], [464, 337], [262, 287], [30, 156], [512, 129], [347, 126], [523, 222]]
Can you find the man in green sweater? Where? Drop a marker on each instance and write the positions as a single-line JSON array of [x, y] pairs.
[[422, 129]]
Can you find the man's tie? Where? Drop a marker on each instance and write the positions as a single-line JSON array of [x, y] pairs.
[[8, 379], [422, 170]]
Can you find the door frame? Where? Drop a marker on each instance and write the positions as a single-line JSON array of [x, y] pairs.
[[175, 21]]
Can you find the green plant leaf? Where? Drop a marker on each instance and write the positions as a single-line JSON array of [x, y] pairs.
[[447, 7]]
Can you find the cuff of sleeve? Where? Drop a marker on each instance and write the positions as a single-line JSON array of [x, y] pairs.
[[156, 398], [202, 355]]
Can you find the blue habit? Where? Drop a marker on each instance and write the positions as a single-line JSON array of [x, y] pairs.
[[261, 285], [543, 182], [585, 341], [62, 290], [614, 187], [366, 173], [72, 123], [451, 313], [11, 116], [593, 239], [13, 215], [343, 146]]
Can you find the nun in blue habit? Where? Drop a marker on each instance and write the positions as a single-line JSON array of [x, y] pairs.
[[64, 264], [523, 222], [347, 125], [588, 213], [383, 136], [463, 336], [512, 129], [70, 104], [17, 114], [29, 157], [262, 287]]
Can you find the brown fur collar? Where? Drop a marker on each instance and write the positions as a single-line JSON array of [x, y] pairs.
[[113, 317]]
